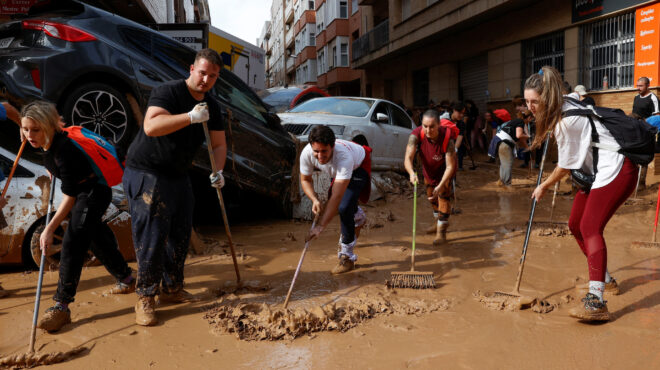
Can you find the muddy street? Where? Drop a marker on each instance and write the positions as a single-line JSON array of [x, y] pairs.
[[446, 327]]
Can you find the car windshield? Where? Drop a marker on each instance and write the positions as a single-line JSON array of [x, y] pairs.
[[280, 99], [341, 106]]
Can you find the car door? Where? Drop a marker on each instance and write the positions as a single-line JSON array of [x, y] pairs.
[[380, 137], [401, 127]]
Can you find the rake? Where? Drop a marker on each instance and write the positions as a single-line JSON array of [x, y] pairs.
[[412, 279]]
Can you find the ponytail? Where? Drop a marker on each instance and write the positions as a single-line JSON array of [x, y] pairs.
[[548, 84]]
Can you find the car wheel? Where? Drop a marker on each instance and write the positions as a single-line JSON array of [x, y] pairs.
[[285, 204], [103, 109], [53, 259]]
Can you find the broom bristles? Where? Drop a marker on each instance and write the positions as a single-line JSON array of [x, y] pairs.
[[412, 279]]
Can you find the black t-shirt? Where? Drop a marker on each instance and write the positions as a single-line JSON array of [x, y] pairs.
[[510, 127], [461, 127], [172, 154], [646, 106], [588, 100], [70, 164]]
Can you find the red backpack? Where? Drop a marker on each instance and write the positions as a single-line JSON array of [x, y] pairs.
[[101, 155]]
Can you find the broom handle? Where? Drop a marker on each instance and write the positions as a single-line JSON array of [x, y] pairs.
[[41, 270], [300, 262], [639, 177], [554, 196], [13, 168], [531, 218], [657, 208], [412, 258], [209, 146]]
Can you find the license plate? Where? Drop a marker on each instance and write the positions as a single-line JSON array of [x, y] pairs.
[[4, 43]]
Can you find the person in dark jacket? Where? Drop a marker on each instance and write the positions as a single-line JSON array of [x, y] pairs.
[[85, 198]]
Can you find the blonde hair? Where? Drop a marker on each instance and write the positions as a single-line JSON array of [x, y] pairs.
[[45, 115], [548, 84]]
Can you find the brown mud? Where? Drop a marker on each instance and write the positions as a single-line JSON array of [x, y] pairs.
[[259, 321], [30, 360], [481, 254]]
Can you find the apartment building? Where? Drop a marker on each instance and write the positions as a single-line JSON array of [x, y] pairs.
[[420, 50], [305, 41], [337, 23]]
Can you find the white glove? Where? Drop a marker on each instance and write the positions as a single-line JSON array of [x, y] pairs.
[[217, 180], [199, 114]]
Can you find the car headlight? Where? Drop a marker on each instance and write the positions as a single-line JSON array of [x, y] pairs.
[[337, 129]]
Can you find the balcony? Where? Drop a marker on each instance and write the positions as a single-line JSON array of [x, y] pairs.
[[288, 12], [290, 64], [373, 40], [288, 38]]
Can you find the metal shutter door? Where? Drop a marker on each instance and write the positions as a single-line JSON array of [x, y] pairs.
[[473, 80]]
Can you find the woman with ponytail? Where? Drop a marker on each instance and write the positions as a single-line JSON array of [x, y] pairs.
[[614, 177]]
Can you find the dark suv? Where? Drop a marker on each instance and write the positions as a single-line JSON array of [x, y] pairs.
[[99, 69]]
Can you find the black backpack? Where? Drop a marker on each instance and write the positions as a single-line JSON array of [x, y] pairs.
[[635, 137]]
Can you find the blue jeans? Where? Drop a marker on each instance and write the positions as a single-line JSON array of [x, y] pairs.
[[161, 218], [349, 204]]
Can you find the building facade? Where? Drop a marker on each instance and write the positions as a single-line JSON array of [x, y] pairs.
[[420, 50], [313, 45]]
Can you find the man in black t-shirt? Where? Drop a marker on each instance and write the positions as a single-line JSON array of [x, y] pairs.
[[646, 103], [157, 184]]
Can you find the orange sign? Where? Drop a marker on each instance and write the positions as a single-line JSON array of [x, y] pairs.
[[647, 43]]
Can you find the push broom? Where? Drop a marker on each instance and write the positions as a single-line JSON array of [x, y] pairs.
[[412, 278]]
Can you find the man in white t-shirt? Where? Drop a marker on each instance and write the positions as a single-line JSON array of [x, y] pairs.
[[349, 164]]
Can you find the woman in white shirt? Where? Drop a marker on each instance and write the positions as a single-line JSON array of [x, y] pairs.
[[614, 179]]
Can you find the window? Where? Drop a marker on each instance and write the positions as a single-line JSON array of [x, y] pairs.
[[343, 8], [608, 51], [380, 108], [405, 9], [354, 6], [344, 54], [320, 56], [235, 93], [172, 55], [312, 38], [400, 118], [546, 50], [334, 57], [311, 4]]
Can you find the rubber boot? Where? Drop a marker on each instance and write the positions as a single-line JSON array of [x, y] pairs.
[[593, 309], [441, 232], [145, 314], [55, 318]]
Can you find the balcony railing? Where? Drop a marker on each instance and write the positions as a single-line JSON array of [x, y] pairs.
[[373, 40], [290, 63]]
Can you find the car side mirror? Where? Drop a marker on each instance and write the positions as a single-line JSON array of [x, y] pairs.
[[382, 118]]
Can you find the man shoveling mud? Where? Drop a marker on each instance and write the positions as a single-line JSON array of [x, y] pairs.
[[436, 151], [157, 184], [349, 164]]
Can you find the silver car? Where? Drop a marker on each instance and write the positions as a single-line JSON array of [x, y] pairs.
[[381, 124]]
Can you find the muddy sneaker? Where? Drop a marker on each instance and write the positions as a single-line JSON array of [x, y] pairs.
[[610, 288], [441, 233], [593, 309], [55, 318], [145, 314], [344, 265], [180, 296], [122, 288]]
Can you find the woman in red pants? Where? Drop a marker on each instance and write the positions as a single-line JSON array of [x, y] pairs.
[[615, 179]]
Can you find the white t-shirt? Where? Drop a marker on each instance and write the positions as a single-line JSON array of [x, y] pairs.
[[573, 136], [346, 157]]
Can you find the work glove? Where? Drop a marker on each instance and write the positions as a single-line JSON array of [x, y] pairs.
[[217, 180], [199, 114]]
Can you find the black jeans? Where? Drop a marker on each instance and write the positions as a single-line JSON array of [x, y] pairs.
[[86, 231], [161, 218]]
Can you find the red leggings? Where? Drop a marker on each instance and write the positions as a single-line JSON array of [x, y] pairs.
[[592, 211]]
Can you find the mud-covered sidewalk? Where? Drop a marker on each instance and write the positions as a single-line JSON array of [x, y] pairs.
[[443, 328]]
